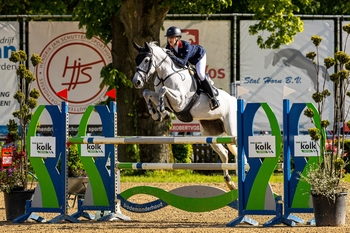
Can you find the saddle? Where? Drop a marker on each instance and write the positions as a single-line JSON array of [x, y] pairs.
[[193, 72], [185, 115]]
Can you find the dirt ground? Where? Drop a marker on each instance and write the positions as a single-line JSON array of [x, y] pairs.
[[168, 219]]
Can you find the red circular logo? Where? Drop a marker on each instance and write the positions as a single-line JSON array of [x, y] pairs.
[[73, 62]]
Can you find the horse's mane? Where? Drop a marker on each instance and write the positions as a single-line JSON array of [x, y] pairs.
[[155, 44]]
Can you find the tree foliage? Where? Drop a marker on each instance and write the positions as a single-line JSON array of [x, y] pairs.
[[277, 18], [28, 7], [198, 6], [96, 15]]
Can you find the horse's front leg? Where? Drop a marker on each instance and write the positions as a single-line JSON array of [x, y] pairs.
[[161, 107], [161, 104], [149, 98], [153, 97]]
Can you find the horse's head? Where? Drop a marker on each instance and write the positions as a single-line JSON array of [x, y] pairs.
[[144, 68]]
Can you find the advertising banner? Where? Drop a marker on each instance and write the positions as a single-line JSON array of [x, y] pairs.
[[262, 146], [70, 62], [9, 42], [304, 146], [43, 147], [215, 37], [267, 73], [345, 48]]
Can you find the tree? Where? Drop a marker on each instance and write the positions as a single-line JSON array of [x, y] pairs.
[[27, 101]]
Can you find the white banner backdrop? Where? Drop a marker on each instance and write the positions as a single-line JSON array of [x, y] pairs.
[[9, 41], [265, 73], [70, 61], [346, 42], [215, 38]]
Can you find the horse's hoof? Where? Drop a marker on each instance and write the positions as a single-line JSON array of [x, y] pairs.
[[231, 186], [157, 118], [229, 183]]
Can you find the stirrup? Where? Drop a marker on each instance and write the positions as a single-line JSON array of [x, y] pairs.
[[214, 104]]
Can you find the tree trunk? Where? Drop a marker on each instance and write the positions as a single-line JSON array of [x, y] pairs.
[[136, 23]]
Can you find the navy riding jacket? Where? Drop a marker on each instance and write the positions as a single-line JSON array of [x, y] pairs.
[[187, 53]]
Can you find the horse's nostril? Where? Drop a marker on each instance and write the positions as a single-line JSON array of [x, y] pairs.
[[138, 82]]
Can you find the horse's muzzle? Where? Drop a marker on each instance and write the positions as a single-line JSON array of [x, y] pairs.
[[138, 84]]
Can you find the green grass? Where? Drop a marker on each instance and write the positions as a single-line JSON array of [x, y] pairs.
[[347, 178], [186, 176], [179, 176]]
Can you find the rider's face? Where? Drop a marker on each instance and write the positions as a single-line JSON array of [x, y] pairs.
[[172, 40]]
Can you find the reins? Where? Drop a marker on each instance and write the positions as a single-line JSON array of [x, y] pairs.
[[151, 63], [162, 80]]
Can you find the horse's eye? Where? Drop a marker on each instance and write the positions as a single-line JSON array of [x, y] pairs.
[[146, 61]]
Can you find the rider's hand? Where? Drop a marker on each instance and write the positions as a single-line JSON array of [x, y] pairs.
[[169, 53]]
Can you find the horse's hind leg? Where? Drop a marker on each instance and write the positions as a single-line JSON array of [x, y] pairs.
[[223, 153], [233, 149]]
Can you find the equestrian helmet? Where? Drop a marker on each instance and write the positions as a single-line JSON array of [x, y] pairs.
[[173, 31]]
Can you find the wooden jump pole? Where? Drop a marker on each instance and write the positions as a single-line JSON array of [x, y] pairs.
[[152, 140], [177, 166]]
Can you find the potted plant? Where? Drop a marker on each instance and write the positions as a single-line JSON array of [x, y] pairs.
[[77, 176], [14, 177], [325, 177]]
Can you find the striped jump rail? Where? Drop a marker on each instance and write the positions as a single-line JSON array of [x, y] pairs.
[[177, 166], [153, 140]]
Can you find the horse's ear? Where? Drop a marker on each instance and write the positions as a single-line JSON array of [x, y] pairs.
[[147, 47], [137, 47]]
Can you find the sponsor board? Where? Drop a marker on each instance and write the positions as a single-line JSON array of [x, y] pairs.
[[262, 146], [93, 150], [304, 146], [44, 147]]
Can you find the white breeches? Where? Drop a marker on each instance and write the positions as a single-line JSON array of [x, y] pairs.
[[200, 67]]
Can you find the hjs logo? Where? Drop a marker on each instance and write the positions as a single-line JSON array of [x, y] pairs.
[[44, 148], [78, 73], [308, 147], [73, 62], [263, 147], [94, 148]]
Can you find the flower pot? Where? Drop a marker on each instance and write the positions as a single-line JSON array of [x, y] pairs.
[[15, 203], [77, 185], [329, 212]]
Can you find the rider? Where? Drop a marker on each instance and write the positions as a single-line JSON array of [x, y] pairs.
[[195, 54]]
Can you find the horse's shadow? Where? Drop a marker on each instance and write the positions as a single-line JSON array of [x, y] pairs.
[[293, 57]]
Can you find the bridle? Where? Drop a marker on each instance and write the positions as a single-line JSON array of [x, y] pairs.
[[150, 64], [146, 76]]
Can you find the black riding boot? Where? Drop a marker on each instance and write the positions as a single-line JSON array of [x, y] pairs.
[[214, 103]]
